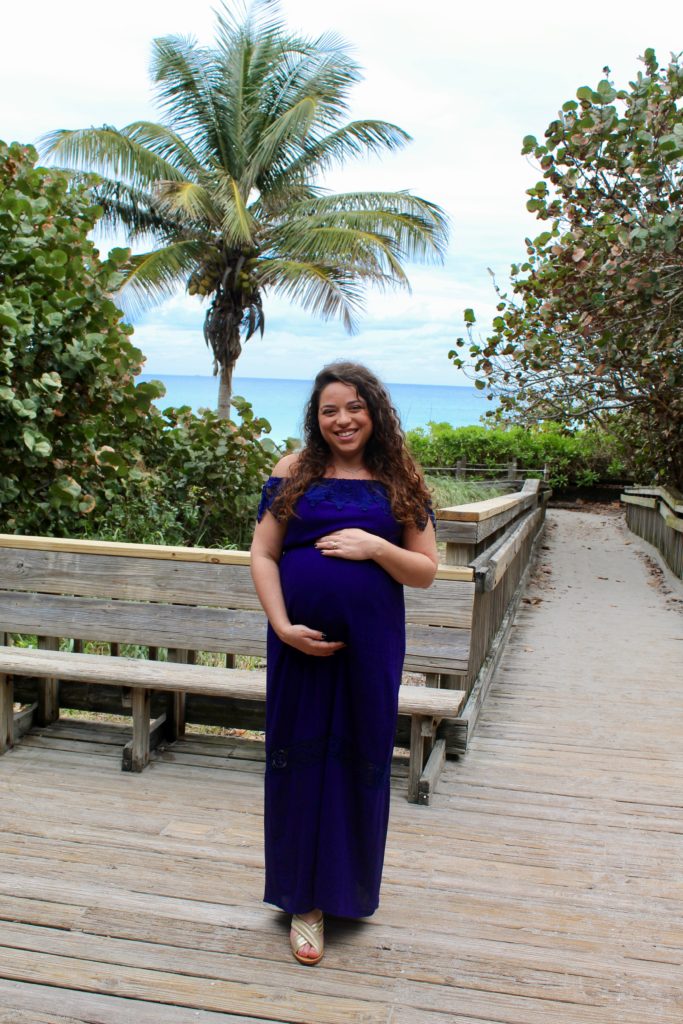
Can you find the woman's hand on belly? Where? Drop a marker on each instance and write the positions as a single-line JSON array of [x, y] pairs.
[[357, 545], [309, 641]]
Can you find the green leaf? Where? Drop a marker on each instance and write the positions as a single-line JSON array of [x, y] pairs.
[[470, 318], [8, 317]]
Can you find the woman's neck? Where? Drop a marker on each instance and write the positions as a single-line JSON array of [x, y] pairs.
[[355, 470]]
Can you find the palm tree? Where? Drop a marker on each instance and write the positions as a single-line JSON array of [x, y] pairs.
[[226, 192]]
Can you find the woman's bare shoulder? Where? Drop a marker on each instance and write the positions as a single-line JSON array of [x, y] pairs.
[[286, 464]]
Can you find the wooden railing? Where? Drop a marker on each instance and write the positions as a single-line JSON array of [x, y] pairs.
[[486, 550], [656, 515], [495, 474], [496, 538]]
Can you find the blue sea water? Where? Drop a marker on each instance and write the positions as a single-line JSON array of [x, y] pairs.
[[282, 402]]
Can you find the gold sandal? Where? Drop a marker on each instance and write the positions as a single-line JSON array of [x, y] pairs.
[[307, 933]]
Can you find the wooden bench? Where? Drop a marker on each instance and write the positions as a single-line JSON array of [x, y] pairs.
[[186, 600]]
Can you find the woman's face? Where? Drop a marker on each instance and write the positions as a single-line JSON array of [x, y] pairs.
[[344, 420]]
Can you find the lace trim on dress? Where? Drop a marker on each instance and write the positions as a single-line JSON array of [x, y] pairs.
[[310, 753], [339, 493], [269, 493]]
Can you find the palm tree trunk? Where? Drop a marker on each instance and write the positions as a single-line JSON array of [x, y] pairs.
[[225, 392]]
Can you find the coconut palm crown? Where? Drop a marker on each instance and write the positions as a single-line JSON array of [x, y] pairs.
[[225, 189]]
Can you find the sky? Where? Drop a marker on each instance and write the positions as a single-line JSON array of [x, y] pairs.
[[467, 81]]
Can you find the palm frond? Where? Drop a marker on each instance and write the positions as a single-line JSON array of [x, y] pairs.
[[187, 201], [237, 222], [419, 228], [326, 291], [254, 20], [188, 88], [154, 276], [368, 253], [321, 68], [111, 152], [130, 208], [285, 135], [167, 144], [356, 139]]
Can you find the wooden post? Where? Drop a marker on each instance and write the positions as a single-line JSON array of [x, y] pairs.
[[141, 701], [416, 757], [6, 706], [460, 469], [6, 710], [512, 469], [422, 735], [48, 689], [459, 554], [175, 706], [432, 770]]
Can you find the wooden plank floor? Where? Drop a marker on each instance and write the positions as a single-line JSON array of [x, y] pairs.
[[544, 885]]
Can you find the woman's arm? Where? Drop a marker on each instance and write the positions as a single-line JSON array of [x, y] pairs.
[[414, 563], [266, 550]]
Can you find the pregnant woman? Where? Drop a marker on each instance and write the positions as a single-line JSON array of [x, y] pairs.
[[343, 524]]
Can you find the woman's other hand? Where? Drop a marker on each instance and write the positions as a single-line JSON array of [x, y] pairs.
[[309, 641], [357, 545]]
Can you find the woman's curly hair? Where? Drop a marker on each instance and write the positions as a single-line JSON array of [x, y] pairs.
[[386, 456]]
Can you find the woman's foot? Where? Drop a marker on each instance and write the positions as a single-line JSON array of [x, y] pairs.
[[306, 937]]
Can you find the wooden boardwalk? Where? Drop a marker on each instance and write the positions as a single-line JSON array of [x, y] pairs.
[[544, 885]]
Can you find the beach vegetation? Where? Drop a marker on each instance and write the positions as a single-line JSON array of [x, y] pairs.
[[84, 449], [590, 330], [580, 458], [226, 189]]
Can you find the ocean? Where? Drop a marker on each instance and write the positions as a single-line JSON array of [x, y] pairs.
[[281, 402]]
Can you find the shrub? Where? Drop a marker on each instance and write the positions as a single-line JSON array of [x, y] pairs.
[[580, 459]]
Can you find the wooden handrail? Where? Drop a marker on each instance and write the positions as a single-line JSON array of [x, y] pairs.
[[669, 495], [476, 511], [217, 556]]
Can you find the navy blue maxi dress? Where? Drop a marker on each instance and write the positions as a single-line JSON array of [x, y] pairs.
[[330, 722]]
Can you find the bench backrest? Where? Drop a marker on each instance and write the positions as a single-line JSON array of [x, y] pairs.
[[191, 599]]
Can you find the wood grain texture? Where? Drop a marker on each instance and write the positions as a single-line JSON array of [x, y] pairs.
[[475, 511], [143, 675], [22, 556], [100, 547]]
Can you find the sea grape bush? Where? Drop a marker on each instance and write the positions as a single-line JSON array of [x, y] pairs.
[[592, 327], [71, 416]]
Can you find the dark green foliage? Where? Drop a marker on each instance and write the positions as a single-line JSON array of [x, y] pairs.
[[592, 331], [583, 458], [71, 417], [84, 451]]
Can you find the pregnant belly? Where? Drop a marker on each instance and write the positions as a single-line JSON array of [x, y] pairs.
[[337, 595]]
